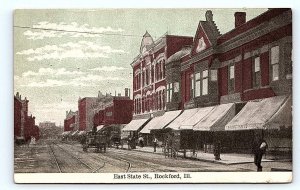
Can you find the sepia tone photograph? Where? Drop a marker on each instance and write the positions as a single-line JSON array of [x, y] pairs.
[[153, 95]]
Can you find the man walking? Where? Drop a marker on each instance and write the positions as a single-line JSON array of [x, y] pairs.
[[155, 142], [260, 148]]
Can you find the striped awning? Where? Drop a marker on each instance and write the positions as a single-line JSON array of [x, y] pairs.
[[190, 122], [135, 124], [186, 114], [267, 113], [160, 122], [217, 118]]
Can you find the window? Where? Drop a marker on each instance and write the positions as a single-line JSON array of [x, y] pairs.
[[275, 63], [163, 69], [205, 82], [192, 86], [169, 92], [176, 86], [152, 74], [256, 72], [231, 79], [197, 85], [214, 75]]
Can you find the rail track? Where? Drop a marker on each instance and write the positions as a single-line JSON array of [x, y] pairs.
[[54, 157], [59, 164], [123, 156], [105, 158]]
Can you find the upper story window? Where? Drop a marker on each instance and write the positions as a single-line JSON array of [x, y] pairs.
[[205, 82], [231, 79], [275, 63], [197, 84], [213, 75], [152, 74], [256, 72], [169, 92], [201, 83], [191, 86]]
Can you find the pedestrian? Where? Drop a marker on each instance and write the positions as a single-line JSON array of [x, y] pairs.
[[259, 150], [217, 150], [141, 141], [155, 142]]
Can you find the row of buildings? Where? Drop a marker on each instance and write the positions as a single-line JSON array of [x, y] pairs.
[[234, 87], [102, 110], [24, 124]]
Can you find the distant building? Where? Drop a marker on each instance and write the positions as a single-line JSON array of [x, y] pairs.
[[113, 109], [72, 121], [46, 124], [86, 113], [24, 125]]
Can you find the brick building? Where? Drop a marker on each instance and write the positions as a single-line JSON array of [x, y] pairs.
[[252, 62], [113, 109], [86, 113], [234, 87], [149, 85], [71, 121], [24, 125]]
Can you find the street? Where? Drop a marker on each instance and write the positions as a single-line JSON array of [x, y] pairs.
[[58, 157]]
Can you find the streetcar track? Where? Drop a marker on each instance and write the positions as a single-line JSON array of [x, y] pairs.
[[149, 164], [55, 159], [94, 170], [74, 157], [106, 161], [118, 156]]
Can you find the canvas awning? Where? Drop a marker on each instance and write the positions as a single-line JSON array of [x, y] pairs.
[[135, 124], [216, 119], [161, 121], [262, 114], [186, 114], [189, 123], [100, 127], [283, 117]]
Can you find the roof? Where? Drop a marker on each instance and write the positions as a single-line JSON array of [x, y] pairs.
[[178, 55], [211, 30]]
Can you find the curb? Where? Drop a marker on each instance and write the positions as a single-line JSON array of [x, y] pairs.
[[201, 159]]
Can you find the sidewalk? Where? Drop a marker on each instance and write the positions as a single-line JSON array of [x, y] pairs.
[[226, 159]]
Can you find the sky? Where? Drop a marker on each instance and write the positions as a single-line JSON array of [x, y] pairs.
[[53, 67]]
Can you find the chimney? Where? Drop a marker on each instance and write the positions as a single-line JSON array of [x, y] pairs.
[[209, 16], [240, 18]]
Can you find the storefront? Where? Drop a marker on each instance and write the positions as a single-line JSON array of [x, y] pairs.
[[157, 124], [269, 118], [210, 129], [131, 130]]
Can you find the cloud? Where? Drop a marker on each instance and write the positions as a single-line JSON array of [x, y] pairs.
[[74, 30], [87, 80], [95, 78], [50, 71], [81, 49], [107, 68]]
